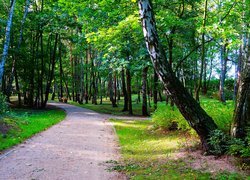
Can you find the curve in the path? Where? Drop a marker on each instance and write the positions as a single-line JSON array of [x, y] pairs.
[[75, 149]]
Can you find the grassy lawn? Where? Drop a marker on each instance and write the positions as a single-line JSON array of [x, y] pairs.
[[147, 154], [23, 123]]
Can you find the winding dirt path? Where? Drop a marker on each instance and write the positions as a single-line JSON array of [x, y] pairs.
[[75, 149]]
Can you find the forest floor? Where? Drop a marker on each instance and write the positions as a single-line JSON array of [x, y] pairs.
[[76, 148]]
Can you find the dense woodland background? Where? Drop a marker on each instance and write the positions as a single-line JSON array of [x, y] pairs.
[[88, 51]]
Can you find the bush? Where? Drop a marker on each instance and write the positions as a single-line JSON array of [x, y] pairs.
[[240, 147], [222, 114], [219, 142], [3, 105], [167, 118]]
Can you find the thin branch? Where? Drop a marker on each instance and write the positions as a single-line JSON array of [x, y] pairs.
[[190, 53], [228, 12]]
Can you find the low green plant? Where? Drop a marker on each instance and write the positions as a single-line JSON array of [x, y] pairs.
[[3, 104], [167, 117], [240, 147], [221, 113], [222, 143], [218, 142]]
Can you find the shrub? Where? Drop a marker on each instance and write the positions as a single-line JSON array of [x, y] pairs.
[[240, 147], [219, 142], [166, 117], [222, 114], [3, 105]]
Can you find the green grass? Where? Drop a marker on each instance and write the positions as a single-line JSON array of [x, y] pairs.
[[149, 155], [221, 113], [24, 123]]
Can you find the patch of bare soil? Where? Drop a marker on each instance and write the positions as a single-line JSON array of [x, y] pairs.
[[213, 164], [4, 128]]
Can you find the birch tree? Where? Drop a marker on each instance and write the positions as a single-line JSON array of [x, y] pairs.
[[7, 38], [190, 109]]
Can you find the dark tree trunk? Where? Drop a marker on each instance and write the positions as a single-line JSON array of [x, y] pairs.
[[94, 84], [128, 77], [241, 120], [31, 89], [203, 51], [204, 86], [115, 88], [51, 73], [61, 70], [242, 112], [210, 74], [111, 90], [53, 93], [144, 92], [86, 76], [190, 109], [72, 73], [160, 96], [138, 91], [18, 89], [102, 86], [149, 94], [236, 76], [223, 74], [67, 88], [155, 90], [124, 91]]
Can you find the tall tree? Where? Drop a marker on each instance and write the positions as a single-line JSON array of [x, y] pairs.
[[190, 109], [144, 91], [13, 70], [7, 38], [241, 120]]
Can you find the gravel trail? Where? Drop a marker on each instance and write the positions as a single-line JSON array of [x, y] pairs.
[[75, 149]]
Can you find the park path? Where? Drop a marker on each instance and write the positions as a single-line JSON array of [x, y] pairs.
[[75, 149]]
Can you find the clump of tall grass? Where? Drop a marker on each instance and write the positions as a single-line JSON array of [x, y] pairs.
[[166, 117]]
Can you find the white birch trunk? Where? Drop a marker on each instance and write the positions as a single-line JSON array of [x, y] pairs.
[[7, 39]]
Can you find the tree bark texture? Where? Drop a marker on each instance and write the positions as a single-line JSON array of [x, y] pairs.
[[128, 78], [124, 91], [190, 109], [51, 73], [18, 47], [223, 74], [144, 92], [241, 120], [7, 38], [203, 51], [155, 89]]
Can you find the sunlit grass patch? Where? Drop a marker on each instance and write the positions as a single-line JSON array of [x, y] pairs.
[[148, 154], [139, 142]]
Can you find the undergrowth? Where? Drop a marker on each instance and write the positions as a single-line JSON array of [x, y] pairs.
[[165, 116]]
